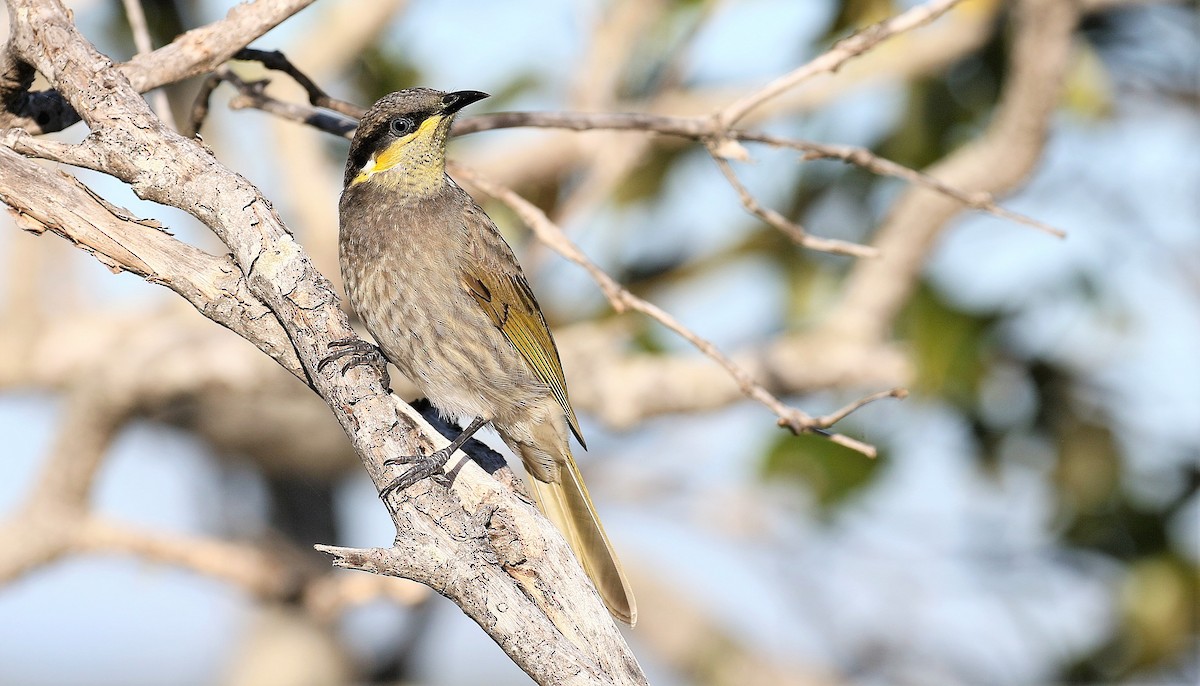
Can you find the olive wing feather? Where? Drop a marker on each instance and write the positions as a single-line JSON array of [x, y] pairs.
[[508, 301]]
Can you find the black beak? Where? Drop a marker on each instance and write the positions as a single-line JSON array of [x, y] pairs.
[[453, 102]]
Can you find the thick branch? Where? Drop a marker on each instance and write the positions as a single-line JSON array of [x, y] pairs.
[[57, 202], [443, 544]]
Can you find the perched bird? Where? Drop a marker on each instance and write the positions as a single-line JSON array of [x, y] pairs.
[[444, 297]]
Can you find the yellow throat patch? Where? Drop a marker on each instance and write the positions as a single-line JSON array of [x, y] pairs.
[[409, 148]]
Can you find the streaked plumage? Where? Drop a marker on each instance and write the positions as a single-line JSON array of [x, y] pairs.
[[443, 295]]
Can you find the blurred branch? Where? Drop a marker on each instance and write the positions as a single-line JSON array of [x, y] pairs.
[[995, 163], [144, 366], [615, 48], [624, 389], [247, 567], [902, 59], [141, 39], [690, 636], [45, 527], [56, 520], [463, 540]]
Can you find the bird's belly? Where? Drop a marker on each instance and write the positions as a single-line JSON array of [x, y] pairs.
[[437, 336]]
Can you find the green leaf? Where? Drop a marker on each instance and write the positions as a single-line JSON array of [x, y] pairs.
[[830, 471], [950, 347]]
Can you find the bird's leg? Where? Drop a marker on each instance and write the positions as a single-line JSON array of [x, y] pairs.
[[428, 465], [360, 353]]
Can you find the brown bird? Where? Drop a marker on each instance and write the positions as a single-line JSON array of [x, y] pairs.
[[443, 295]]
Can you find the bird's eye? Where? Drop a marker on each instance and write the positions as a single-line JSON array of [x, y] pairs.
[[449, 99], [402, 126]]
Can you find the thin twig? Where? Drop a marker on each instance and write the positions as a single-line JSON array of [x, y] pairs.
[[700, 128], [200, 105], [141, 40], [865, 159], [831, 60], [695, 128], [317, 97], [839, 415], [252, 94], [791, 229]]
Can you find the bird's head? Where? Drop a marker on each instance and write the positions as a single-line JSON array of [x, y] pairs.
[[401, 140]]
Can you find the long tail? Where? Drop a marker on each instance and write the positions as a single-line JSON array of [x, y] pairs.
[[569, 506]]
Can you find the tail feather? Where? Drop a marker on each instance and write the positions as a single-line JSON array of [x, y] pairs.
[[568, 505]]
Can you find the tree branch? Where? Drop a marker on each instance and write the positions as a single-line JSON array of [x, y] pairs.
[[196, 52], [214, 285], [253, 95], [561, 633], [791, 229]]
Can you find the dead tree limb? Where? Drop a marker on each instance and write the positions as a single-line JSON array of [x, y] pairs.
[[463, 541]]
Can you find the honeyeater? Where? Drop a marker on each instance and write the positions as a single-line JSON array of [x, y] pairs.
[[442, 294]]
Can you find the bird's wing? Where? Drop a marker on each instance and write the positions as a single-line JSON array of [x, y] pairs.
[[506, 298]]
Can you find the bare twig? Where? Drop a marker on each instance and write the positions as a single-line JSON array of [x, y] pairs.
[[787, 227], [695, 128], [865, 159], [829, 61], [699, 128], [275, 60], [141, 39], [839, 415], [252, 94]]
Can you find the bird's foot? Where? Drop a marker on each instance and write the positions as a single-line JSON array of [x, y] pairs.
[[359, 353], [423, 466]]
